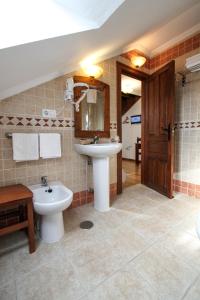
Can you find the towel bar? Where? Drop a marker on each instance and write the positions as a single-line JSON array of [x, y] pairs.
[[8, 135]]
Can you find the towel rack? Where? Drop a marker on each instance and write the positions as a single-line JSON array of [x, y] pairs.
[[8, 135]]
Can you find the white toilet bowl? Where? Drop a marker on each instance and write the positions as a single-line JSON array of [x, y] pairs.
[[49, 202]]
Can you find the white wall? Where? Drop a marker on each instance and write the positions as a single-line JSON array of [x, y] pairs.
[[130, 132]]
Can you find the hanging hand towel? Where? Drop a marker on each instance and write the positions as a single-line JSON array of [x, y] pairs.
[[50, 145], [25, 146], [92, 96]]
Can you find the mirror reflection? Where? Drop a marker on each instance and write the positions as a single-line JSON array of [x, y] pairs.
[[92, 111], [93, 117]]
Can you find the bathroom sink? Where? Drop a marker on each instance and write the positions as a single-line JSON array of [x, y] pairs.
[[99, 150], [100, 158]]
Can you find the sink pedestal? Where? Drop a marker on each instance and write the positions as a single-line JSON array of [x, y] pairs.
[[101, 183], [100, 154]]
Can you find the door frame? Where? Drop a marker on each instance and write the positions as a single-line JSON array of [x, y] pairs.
[[123, 69]]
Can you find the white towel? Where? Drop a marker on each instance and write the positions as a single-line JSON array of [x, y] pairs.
[[92, 96], [25, 146], [50, 145]]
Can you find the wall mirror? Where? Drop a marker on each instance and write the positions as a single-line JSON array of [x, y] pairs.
[[93, 117]]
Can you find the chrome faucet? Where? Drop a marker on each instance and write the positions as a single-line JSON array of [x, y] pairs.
[[44, 181], [95, 139]]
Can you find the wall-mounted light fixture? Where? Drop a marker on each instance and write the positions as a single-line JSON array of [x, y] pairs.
[[138, 61], [92, 70]]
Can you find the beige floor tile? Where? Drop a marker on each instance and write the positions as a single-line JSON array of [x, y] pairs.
[[183, 244], [90, 251], [167, 214], [166, 273], [145, 247], [13, 241], [183, 208], [194, 292], [8, 292], [55, 280], [127, 242], [24, 263], [150, 228], [6, 269], [114, 218], [131, 285], [188, 224], [105, 291], [92, 274]]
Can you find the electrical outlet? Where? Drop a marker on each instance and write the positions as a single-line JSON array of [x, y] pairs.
[[49, 113]]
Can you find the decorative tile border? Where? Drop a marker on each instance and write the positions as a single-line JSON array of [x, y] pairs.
[[35, 122], [170, 54], [13, 215], [84, 197], [187, 188], [187, 125], [113, 126], [6, 120]]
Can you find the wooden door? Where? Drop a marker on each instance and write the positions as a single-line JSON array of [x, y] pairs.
[[158, 130]]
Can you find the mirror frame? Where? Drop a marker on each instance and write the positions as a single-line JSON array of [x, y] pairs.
[[77, 115]]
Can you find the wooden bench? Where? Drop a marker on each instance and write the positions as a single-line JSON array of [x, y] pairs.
[[16, 195]]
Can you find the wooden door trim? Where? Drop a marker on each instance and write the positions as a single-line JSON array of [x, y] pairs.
[[123, 69]]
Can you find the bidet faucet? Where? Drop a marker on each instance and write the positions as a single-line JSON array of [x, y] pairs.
[[95, 139], [44, 181]]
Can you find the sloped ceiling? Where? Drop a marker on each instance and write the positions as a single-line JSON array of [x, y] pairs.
[[33, 20], [27, 65]]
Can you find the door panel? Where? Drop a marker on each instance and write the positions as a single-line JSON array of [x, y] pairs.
[[158, 139]]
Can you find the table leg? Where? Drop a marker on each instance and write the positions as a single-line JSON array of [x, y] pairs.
[[31, 234]]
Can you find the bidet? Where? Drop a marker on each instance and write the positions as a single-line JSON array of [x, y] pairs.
[[50, 203]]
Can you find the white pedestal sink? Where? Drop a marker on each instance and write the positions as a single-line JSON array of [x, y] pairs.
[[100, 156]]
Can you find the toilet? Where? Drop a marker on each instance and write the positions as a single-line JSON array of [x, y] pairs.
[[50, 202]]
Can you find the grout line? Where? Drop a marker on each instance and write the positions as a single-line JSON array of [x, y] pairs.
[[190, 287]]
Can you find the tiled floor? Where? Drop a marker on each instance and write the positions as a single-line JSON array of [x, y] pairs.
[[133, 172], [145, 247]]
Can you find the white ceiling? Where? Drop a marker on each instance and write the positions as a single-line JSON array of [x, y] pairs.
[[35, 20], [24, 66]]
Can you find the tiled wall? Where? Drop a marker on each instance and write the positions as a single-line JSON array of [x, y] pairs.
[[22, 113], [166, 56], [187, 115], [176, 51], [187, 135]]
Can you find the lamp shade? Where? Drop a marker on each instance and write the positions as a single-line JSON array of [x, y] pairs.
[[138, 61], [93, 71]]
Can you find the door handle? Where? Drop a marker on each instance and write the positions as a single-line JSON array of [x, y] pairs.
[[168, 130]]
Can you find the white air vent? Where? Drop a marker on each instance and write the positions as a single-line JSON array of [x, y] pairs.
[[193, 63]]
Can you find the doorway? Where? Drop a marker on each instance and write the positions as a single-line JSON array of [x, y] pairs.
[[131, 91], [157, 134], [124, 70]]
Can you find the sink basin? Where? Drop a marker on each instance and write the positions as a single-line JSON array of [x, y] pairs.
[[100, 157], [99, 150]]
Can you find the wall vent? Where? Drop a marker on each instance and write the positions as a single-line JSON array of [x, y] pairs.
[[193, 63]]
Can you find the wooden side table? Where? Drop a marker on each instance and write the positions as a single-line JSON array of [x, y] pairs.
[[19, 194]]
